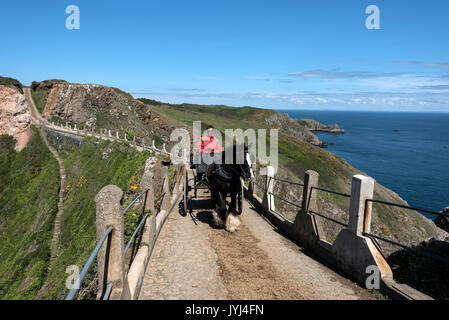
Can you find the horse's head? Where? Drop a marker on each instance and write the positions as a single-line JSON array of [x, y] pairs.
[[247, 169]]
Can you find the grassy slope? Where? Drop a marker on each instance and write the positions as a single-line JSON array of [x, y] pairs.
[[87, 173], [13, 83], [29, 184]]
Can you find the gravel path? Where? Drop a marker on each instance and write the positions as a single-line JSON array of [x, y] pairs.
[[183, 264]]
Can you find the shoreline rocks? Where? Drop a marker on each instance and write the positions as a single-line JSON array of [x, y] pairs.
[[316, 126]]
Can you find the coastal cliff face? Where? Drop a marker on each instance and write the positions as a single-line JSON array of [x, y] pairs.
[[288, 125], [314, 125], [15, 117]]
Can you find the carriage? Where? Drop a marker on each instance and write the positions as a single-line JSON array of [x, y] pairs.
[[199, 182]]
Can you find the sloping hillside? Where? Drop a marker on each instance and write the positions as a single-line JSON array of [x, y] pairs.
[[94, 107], [29, 184]]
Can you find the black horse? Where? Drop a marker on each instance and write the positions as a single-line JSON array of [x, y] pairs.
[[225, 179]]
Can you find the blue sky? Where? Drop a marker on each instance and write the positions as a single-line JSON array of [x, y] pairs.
[[303, 54]]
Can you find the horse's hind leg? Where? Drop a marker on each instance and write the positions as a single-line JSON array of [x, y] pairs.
[[220, 208], [232, 221], [233, 204]]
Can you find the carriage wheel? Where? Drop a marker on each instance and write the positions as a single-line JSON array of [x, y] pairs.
[[195, 181], [186, 189], [240, 200]]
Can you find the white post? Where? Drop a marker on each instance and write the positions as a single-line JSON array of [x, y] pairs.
[[268, 198]]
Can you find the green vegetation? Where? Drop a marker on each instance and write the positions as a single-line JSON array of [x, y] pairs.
[[10, 82], [39, 98], [29, 186], [88, 171]]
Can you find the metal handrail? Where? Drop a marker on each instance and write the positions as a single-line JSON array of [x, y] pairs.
[[80, 279], [330, 191], [328, 218], [108, 291], [407, 207], [160, 197], [135, 232], [286, 181], [256, 184], [285, 200], [422, 252], [134, 201]]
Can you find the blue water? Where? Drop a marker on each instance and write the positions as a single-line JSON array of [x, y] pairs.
[[413, 162]]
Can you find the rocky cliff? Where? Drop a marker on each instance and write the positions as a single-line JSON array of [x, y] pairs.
[[15, 117], [314, 125], [289, 126], [95, 107]]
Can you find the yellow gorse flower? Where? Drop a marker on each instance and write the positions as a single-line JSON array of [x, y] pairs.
[[82, 181]]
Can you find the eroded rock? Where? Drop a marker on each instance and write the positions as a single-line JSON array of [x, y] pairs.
[[15, 116]]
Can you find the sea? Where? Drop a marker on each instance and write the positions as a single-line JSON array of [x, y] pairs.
[[405, 152]]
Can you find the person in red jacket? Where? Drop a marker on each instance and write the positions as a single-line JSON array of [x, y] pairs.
[[208, 143]]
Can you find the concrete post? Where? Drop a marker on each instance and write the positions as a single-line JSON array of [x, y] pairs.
[[309, 197], [163, 148], [148, 182], [153, 145], [175, 178], [166, 188], [117, 136], [268, 198], [307, 227], [353, 252], [126, 140], [111, 264], [362, 188]]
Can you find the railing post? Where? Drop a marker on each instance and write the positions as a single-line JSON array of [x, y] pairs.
[[111, 262], [268, 198], [308, 229], [148, 182], [166, 188], [362, 189], [309, 197], [353, 251]]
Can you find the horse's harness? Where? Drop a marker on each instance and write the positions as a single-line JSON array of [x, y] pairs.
[[226, 176]]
